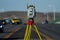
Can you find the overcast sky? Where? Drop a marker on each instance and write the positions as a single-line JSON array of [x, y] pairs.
[[21, 5]]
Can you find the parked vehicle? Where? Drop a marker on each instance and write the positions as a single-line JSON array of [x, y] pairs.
[[8, 21], [1, 27], [16, 21]]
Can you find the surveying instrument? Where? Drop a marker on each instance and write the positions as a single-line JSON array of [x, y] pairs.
[[31, 14]]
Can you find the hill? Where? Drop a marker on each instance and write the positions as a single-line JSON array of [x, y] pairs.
[[23, 15]]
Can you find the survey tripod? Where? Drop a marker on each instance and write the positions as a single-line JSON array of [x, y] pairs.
[[31, 13], [29, 30]]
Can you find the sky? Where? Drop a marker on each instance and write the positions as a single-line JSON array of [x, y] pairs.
[[21, 5]]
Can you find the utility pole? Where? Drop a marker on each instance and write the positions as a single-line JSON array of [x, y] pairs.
[[54, 12], [47, 16]]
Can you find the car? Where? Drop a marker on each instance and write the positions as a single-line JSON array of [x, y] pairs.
[[1, 28], [57, 22], [8, 21], [4, 22], [16, 21]]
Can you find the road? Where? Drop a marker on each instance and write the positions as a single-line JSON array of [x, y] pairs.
[[47, 31]]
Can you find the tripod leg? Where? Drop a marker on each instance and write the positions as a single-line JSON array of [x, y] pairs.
[[29, 34], [26, 33], [30, 31], [37, 32]]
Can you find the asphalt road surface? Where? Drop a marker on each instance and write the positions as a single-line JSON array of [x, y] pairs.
[[47, 31]]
